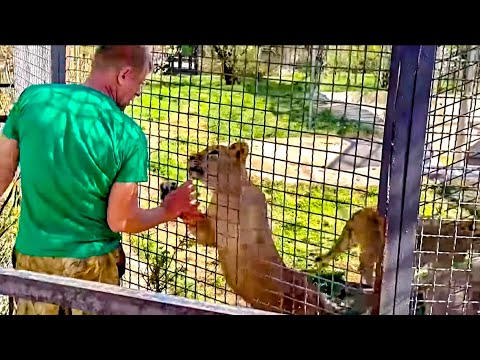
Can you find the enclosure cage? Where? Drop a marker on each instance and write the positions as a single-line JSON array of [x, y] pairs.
[[330, 130]]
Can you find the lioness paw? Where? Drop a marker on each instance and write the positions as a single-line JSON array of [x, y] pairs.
[[167, 187], [239, 150], [192, 220]]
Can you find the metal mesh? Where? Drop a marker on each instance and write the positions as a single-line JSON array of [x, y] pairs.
[[20, 66], [313, 119], [32, 65], [446, 269], [6, 79], [6, 97], [78, 63]]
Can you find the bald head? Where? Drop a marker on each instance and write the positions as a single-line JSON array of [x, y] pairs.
[[118, 56]]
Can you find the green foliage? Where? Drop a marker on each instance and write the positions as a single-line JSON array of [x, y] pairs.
[[163, 274], [166, 161], [329, 282], [186, 50]]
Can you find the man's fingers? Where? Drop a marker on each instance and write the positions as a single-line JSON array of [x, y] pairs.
[[196, 217], [186, 185], [193, 217], [186, 190], [192, 211]]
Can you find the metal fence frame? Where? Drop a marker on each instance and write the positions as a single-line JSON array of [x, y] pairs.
[[403, 151]]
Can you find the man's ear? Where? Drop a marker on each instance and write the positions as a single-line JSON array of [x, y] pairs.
[[123, 74]]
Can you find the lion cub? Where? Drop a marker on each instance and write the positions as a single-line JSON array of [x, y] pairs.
[[236, 223], [366, 228]]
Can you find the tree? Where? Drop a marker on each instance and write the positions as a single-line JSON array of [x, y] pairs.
[[228, 55]]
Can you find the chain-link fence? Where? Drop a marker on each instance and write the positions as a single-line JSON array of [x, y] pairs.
[[447, 249], [314, 119], [20, 66]]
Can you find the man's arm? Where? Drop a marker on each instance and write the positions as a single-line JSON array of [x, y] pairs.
[[8, 161], [124, 215]]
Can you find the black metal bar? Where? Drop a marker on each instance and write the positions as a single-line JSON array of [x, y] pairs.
[[58, 63], [105, 299], [413, 176], [406, 120], [383, 191], [388, 133]]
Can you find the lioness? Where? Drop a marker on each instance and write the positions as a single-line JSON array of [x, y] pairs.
[[236, 224]]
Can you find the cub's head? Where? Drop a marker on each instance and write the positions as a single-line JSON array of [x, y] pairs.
[[365, 228], [218, 166]]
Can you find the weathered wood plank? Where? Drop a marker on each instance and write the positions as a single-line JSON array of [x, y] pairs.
[[105, 299]]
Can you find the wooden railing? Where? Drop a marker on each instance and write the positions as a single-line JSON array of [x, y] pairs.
[[105, 299]]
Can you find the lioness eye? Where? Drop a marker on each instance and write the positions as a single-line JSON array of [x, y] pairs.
[[213, 152]]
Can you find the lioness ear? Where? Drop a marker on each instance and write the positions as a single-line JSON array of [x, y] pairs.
[[239, 150]]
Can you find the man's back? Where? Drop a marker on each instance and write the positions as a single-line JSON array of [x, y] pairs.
[[74, 144]]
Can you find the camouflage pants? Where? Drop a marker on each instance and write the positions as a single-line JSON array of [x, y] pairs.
[[108, 268]]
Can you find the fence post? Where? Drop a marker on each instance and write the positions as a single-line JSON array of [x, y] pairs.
[[58, 61], [400, 179]]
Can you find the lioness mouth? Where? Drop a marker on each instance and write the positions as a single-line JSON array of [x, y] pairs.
[[197, 169]]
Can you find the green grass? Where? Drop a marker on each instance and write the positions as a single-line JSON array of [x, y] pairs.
[[365, 83], [165, 162], [273, 109], [329, 83]]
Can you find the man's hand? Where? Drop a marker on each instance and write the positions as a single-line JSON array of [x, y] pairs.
[[182, 202], [192, 219], [124, 215]]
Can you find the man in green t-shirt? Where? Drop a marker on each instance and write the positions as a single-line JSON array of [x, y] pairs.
[[81, 160]]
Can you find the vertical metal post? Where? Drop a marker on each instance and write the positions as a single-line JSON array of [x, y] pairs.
[[313, 83], [461, 148], [58, 62], [400, 179]]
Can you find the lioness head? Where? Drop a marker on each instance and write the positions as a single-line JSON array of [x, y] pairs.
[[218, 166]]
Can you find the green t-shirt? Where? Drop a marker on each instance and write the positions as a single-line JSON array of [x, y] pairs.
[[74, 144]]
